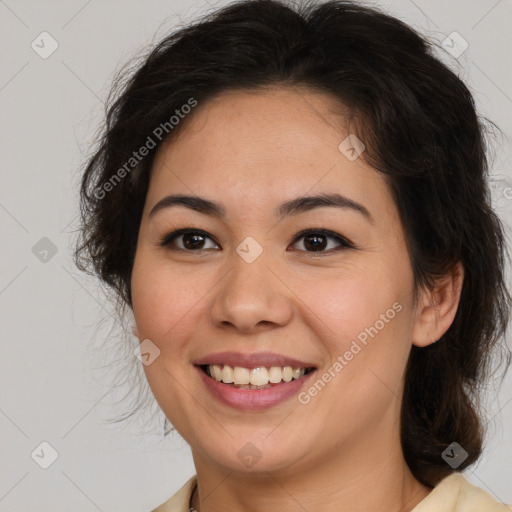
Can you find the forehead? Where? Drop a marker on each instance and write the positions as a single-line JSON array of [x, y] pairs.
[[263, 146]]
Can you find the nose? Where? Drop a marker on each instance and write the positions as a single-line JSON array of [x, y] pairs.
[[251, 298]]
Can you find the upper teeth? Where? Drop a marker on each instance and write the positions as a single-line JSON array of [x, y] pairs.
[[260, 376]]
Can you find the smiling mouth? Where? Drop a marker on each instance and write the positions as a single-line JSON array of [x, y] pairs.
[[255, 378]]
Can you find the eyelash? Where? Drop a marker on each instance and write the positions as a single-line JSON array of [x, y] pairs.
[[166, 240]]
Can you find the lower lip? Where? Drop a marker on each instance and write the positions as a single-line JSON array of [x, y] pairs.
[[252, 399]]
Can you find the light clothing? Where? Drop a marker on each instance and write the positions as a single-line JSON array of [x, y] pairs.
[[453, 494]]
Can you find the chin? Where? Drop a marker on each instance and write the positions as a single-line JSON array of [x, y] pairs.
[[253, 454]]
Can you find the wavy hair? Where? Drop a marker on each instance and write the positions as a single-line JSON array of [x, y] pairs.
[[419, 124]]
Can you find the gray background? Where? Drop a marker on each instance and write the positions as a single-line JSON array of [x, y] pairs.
[[55, 323]]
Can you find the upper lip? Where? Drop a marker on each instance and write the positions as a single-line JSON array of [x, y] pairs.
[[251, 360]]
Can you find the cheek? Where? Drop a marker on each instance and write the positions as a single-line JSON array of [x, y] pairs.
[[348, 304], [363, 325], [164, 305], [164, 301]]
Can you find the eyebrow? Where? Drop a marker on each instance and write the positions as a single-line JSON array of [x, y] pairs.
[[293, 207]]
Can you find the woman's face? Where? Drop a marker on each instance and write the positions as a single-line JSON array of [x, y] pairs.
[[252, 292]]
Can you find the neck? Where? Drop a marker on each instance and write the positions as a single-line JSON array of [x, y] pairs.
[[368, 476]]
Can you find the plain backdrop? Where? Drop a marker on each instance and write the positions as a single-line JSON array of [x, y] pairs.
[[53, 386]]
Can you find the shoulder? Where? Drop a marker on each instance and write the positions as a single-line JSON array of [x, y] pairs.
[[453, 494], [456, 494], [179, 502]]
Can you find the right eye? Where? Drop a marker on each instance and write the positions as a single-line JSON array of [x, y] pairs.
[[189, 240]]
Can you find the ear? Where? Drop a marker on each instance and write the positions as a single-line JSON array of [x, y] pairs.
[[437, 308]]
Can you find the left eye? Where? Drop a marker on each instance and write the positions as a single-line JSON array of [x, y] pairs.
[[317, 240]]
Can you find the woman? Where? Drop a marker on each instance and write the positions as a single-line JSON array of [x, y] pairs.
[[293, 203]]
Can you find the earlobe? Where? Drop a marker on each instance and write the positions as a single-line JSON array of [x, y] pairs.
[[438, 308]]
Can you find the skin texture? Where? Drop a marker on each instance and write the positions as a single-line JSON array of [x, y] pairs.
[[251, 151]]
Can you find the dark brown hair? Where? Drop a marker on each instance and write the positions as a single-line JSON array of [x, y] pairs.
[[418, 122]]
